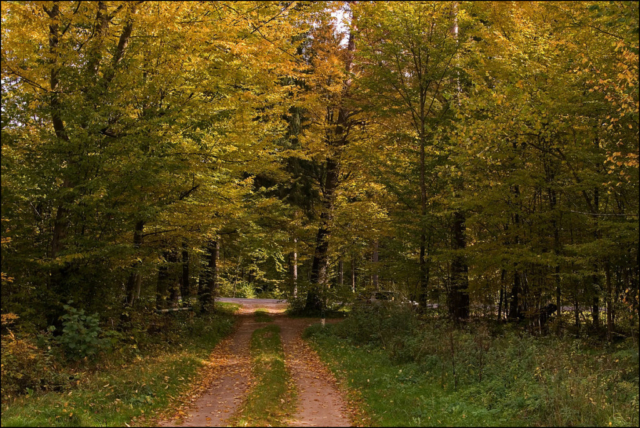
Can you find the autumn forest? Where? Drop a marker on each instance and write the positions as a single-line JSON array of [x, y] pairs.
[[452, 186]]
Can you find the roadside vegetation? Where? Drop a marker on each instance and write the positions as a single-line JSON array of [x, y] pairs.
[[416, 373], [272, 400], [118, 383]]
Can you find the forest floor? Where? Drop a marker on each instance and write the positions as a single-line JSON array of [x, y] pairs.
[[222, 399]]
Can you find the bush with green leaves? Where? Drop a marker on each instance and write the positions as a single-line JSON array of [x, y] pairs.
[[81, 334]]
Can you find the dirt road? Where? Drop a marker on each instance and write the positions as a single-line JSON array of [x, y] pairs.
[[320, 403]]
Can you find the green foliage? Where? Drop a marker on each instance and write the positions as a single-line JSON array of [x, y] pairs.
[[126, 388], [296, 304], [238, 289], [520, 118], [26, 367], [377, 324], [478, 375], [81, 334]]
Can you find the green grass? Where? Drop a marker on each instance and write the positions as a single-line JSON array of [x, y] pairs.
[[571, 385], [399, 395], [126, 392], [272, 399], [263, 316]]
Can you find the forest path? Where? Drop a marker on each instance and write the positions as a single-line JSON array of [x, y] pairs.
[[319, 401]]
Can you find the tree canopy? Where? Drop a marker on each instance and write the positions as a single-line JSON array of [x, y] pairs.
[[479, 156]]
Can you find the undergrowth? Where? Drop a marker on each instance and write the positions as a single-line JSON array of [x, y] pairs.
[[126, 384], [428, 373]]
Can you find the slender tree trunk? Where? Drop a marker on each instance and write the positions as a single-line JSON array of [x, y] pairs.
[[556, 249], [295, 268], [595, 313], [595, 303], [514, 309], [458, 296], [422, 294], [558, 300], [609, 302], [501, 295], [134, 281], [208, 297], [577, 313], [202, 281], [340, 273], [458, 300], [374, 259], [353, 274], [174, 279], [595, 309], [185, 289], [163, 282]]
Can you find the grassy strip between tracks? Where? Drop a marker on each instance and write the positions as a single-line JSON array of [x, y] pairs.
[[263, 316], [271, 401]]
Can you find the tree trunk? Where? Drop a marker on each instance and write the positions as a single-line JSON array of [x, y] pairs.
[[595, 313], [374, 260], [185, 286], [163, 282], [595, 303], [609, 302], [202, 280], [209, 289], [61, 222], [595, 309], [338, 140], [295, 268], [501, 295], [174, 279], [422, 294], [340, 273], [353, 274], [458, 300], [320, 264], [514, 308], [134, 281], [577, 313], [556, 249], [514, 304]]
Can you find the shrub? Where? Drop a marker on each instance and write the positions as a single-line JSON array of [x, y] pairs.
[[297, 304], [81, 333], [237, 289], [26, 367]]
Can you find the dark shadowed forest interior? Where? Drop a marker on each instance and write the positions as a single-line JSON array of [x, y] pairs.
[[458, 180]]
